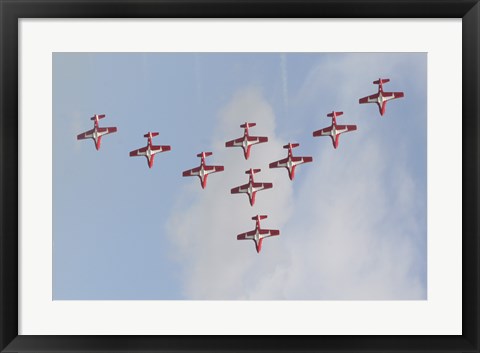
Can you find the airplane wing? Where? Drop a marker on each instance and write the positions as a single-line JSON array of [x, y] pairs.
[[261, 186], [301, 160], [279, 164], [265, 233], [246, 235], [345, 128], [106, 130], [369, 99], [192, 172], [158, 149], [392, 95], [213, 168], [240, 189], [257, 139], [323, 132], [139, 152], [234, 143], [85, 135]]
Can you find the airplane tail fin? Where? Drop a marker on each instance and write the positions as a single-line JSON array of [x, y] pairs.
[[247, 125], [259, 217], [381, 81], [291, 145], [153, 134], [204, 154], [252, 171], [332, 114], [98, 116]]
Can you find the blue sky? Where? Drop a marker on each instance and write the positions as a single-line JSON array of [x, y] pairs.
[[352, 223]]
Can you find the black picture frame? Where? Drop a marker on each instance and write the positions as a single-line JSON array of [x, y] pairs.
[[13, 10]]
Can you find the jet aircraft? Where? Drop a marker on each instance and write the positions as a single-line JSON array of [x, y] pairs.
[[246, 141], [251, 188], [203, 170], [291, 161], [150, 150], [258, 234], [381, 98], [334, 130], [97, 132]]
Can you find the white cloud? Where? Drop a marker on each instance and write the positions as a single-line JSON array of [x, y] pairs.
[[345, 240]]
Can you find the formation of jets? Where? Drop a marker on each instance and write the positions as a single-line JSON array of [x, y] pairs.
[[246, 142]]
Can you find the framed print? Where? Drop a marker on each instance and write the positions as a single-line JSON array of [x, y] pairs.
[[340, 124]]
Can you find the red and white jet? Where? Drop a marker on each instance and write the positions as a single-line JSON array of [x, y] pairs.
[[97, 132], [258, 234], [290, 162], [334, 130], [251, 187], [203, 170], [381, 97], [246, 141], [150, 150]]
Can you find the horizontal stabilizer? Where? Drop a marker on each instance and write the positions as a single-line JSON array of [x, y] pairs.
[[152, 134], [247, 125], [204, 154], [252, 171], [101, 116], [291, 145], [332, 114], [259, 217], [381, 81]]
